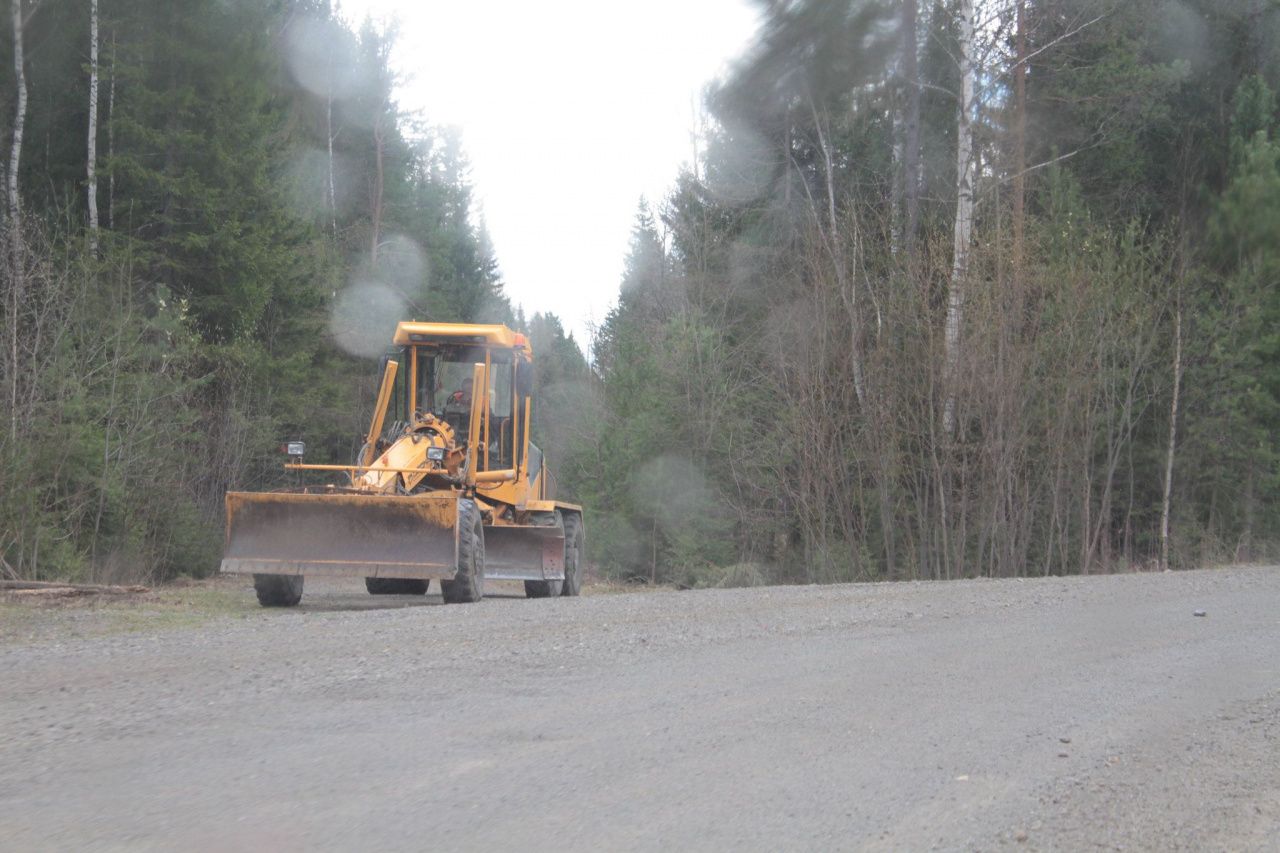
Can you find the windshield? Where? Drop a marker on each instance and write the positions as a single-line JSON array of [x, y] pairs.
[[445, 378]]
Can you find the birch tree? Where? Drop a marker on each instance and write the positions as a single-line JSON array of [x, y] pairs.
[[846, 279], [375, 195], [15, 210], [19, 122], [328, 124], [911, 142], [962, 230], [111, 137], [91, 158], [1019, 140]]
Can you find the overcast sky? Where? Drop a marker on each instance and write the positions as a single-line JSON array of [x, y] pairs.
[[569, 111]]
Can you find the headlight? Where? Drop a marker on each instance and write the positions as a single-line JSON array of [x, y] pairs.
[[435, 454]]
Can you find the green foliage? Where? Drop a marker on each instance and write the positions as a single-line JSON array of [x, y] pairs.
[[1240, 363], [152, 378], [762, 403], [732, 445]]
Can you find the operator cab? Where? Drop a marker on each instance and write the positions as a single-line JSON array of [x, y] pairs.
[[436, 373]]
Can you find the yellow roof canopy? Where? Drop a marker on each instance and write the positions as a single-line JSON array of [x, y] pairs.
[[460, 333]]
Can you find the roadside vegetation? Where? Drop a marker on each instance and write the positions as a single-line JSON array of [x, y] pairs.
[[214, 273], [34, 617], [956, 288], [951, 289]]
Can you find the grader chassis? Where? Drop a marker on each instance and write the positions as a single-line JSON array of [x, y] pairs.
[[453, 490]]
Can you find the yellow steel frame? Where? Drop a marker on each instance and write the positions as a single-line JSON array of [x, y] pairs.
[[380, 411], [505, 486], [413, 380]]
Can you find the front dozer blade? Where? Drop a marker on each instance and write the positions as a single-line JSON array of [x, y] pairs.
[[342, 534]]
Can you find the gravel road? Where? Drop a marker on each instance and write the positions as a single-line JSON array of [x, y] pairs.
[[1035, 714]]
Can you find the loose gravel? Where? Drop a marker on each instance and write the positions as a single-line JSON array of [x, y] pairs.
[[1036, 714]]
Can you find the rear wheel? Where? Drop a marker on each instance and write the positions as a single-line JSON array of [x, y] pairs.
[[574, 541], [396, 586], [278, 590], [467, 585]]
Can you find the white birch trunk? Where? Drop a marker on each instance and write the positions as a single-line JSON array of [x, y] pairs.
[[328, 124], [111, 137], [899, 179], [15, 213], [963, 229], [848, 286], [19, 120], [1019, 142], [376, 205], [91, 158], [911, 154], [333, 201]]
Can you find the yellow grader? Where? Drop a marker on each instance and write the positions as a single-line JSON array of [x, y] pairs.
[[452, 489]]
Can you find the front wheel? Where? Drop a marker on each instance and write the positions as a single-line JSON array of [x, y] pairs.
[[278, 590], [467, 585]]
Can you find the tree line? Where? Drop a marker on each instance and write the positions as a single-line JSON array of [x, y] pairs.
[[956, 288], [214, 209], [951, 288]]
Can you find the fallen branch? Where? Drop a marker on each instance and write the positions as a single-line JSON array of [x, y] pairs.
[[71, 588]]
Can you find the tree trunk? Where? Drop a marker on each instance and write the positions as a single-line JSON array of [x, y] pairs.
[[1019, 144], [653, 552], [19, 119], [111, 137], [333, 200], [848, 287], [963, 228], [887, 519], [1173, 432], [898, 177], [91, 159], [376, 206], [911, 146], [15, 212], [1244, 546]]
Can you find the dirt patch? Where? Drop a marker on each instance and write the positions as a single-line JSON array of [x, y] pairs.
[[42, 615]]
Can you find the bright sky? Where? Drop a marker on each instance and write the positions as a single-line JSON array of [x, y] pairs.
[[569, 111]]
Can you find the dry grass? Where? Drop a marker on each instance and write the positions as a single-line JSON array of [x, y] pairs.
[[601, 586], [39, 618], [26, 618]]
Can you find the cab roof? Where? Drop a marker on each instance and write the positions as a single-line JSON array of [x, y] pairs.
[[474, 334]]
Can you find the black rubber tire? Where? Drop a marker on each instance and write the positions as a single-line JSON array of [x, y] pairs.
[[379, 586], [574, 544], [542, 589], [396, 586], [467, 586], [278, 590]]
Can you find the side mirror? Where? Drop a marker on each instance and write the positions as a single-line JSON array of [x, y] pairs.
[[524, 378]]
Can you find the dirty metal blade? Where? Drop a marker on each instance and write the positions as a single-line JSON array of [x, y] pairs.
[[411, 536]]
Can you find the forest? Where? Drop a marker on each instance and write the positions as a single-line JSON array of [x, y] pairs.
[[951, 288]]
